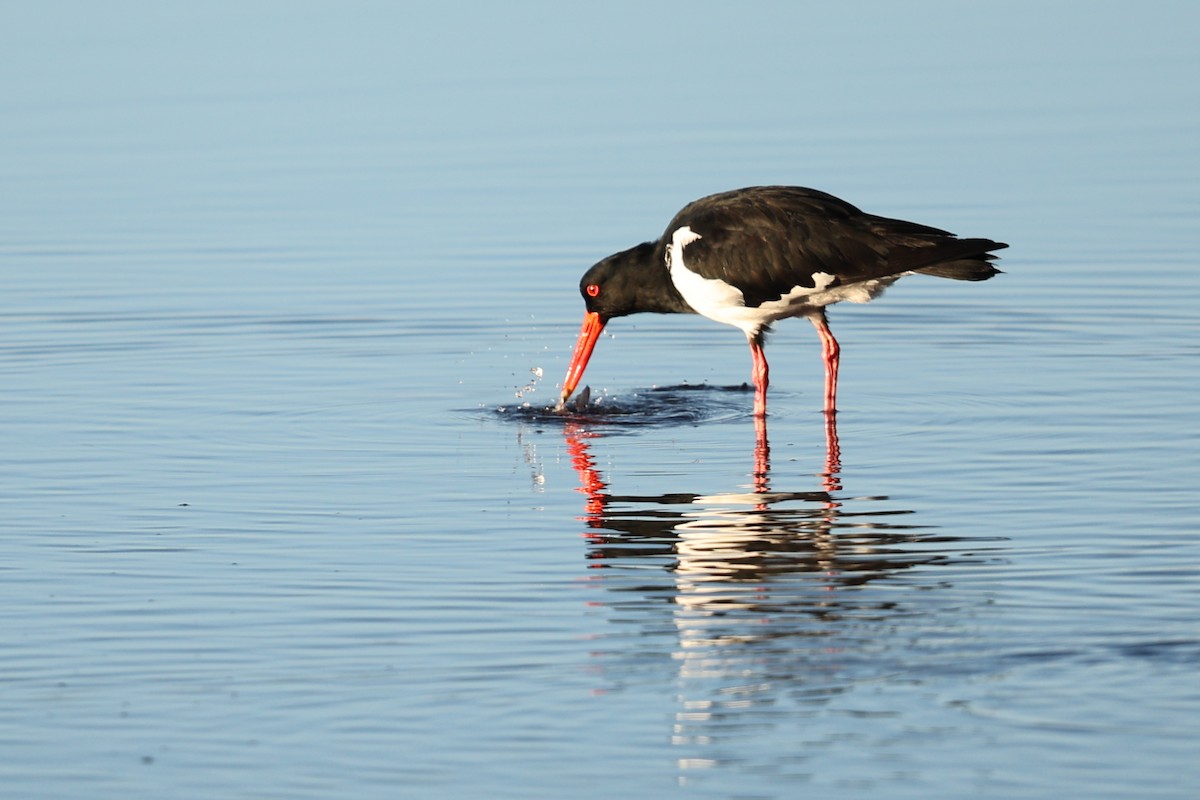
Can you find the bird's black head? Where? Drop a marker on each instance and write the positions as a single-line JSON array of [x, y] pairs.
[[625, 283], [630, 282]]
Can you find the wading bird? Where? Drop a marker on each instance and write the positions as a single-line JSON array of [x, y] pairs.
[[753, 256]]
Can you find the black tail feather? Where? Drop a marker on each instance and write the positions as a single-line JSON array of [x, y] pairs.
[[968, 260]]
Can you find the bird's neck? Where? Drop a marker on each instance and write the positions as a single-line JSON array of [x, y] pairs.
[[656, 291]]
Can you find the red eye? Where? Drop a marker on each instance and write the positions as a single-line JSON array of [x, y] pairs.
[[592, 289]]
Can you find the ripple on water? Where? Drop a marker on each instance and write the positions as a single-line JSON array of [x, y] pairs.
[[657, 406]]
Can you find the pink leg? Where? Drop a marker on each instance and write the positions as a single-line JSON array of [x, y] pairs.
[[760, 374], [830, 352]]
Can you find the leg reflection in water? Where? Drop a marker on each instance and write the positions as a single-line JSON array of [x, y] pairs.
[[762, 454]]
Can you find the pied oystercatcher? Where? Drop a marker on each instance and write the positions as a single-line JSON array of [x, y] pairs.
[[752, 256]]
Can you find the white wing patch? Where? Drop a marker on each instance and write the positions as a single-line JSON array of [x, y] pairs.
[[710, 297], [818, 296], [723, 302]]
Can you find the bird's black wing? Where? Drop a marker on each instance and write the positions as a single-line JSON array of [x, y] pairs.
[[766, 241]]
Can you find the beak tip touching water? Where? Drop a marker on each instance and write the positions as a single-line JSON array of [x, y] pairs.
[[593, 325]]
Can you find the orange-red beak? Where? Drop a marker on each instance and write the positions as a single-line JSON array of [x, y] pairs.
[[593, 324]]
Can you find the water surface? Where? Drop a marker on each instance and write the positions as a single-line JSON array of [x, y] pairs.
[[285, 513]]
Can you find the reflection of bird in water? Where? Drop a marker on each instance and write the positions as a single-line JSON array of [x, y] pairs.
[[764, 600], [754, 535]]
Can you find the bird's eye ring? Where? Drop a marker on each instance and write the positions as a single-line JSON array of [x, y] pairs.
[[592, 289]]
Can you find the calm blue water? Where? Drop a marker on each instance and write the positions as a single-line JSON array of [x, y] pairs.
[[282, 515]]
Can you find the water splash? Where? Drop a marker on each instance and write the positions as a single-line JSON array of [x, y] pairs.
[[659, 405], [531, 386]]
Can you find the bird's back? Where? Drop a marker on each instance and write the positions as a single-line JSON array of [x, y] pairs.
[[769, 240]]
